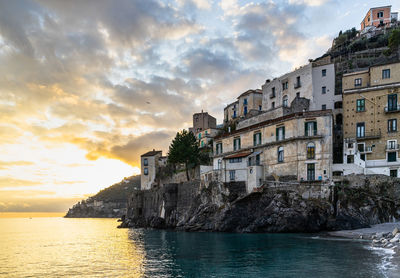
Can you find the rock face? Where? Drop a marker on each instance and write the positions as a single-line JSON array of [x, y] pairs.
[[109, 202], [358, 202]]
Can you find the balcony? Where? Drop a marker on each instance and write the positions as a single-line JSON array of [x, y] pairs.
[[366, 150], [392, 109], [272, 95], [392, 147], [297, 85], [365, 136]]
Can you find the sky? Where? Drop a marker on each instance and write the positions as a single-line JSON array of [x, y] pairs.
[[87, 86]]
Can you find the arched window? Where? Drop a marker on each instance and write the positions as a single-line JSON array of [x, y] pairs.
[[280, 154], [285, 101], [310, 150]]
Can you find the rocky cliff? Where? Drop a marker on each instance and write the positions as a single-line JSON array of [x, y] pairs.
[[357, 201], [109, 202]]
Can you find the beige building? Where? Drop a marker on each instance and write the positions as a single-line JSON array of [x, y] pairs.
[[150, 163], [203, 121], [205, 137], [248, 104], [371, 113], [292, 147]]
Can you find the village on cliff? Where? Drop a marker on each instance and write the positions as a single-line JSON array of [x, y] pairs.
[[322, 121]]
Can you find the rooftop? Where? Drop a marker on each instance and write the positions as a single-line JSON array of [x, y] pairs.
[[151, 153]]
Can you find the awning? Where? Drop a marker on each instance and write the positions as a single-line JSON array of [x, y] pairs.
[[237, 155], [255, 153]]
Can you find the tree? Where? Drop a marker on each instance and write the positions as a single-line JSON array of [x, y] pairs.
[[394, 40], [184, 149]]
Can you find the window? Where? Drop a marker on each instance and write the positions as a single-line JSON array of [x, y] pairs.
[[199, 135], [285, 101], [358, 82], [360, 130], [338, 105], [280, 154], [218, 148], [392, 156], [285, 85], [232, 175], [234, 113], [360, 105], [323, 107], [146, 171], [145, 162], [392, 125], [324, 72], [259, 107], [236, 144], [350, 159], [245, 110], [385, 73], [310, 128], [323, 90], [219, 164], [393, 173], [298, 94], [202, 143], [391, 145], [298, 83], [380, 14], [350, 145], [280, 133], [392, 102], [257, 139], [310, 171], [361, 147], [206, 132], [273, 104], [245, 101], [255, 160], [235, 160], [272, 92], [310, 150]]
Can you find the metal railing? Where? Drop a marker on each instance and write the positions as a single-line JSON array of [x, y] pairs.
[[392, 108], [392, 147]]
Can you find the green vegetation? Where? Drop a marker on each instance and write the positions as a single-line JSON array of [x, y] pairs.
[[394, 41], [118, 191], [184, 149]]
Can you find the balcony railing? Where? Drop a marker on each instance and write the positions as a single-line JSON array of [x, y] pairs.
[[364, 136], [297, 85], [272, 95], [366, 150], [392, 147], [393, 108]]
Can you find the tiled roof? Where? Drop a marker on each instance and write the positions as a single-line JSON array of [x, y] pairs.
[[242, 154], [151, 153]]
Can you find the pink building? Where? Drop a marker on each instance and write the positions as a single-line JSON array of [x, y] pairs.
[[377, 16]]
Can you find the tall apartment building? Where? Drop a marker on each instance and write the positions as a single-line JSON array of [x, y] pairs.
[[371, 112], [314, 81]]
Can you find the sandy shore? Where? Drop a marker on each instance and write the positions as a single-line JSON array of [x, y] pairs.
[[391, 260]]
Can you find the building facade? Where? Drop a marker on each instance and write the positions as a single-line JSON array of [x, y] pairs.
[[377, 16], [149, 164], [371, 113], [203, 121], [293, 147]]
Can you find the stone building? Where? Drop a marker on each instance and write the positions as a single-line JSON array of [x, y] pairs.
[[203, 121], [371, 113], [295, 147], [248, 104], [205, 137], [149, 164], [377, 16], [314, 81]]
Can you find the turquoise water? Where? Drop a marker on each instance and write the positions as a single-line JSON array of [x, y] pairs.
[[58, 247]]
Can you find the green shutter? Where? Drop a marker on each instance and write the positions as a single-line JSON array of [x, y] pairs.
[[254, 139], [315, 128], [277, 129], [305, 129]]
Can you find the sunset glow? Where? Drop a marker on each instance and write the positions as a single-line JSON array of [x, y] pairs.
[[84, 91]]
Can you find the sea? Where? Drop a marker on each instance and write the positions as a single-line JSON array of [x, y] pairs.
[[52, 246]]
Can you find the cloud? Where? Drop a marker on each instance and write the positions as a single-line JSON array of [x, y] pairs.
[[309, 2], [8, 164], [12, 182]]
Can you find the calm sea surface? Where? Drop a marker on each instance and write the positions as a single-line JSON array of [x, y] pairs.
[[58, 247]]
